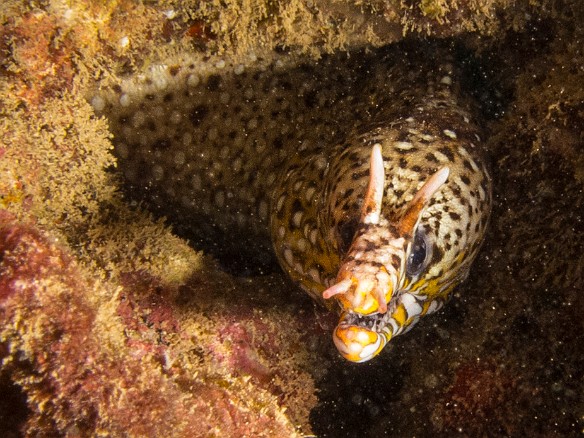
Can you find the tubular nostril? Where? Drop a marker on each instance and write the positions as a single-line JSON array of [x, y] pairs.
[[339, 288]]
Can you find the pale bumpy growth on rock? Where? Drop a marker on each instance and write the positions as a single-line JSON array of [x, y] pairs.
[[280, 155]]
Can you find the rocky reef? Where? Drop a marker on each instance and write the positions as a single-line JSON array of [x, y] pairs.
[[111, 323]]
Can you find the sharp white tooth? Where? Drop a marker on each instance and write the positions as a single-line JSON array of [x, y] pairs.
[[387, 332], [370, 349], [433, 307], [412, 324], [393, 325], [411, 305]]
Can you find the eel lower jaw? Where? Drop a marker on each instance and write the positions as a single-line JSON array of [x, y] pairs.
[[360, 338]]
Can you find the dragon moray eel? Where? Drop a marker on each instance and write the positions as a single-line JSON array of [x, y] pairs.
[[362, 171]]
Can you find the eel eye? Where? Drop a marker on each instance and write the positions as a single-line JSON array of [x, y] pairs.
[[347, 230], [419, 257]]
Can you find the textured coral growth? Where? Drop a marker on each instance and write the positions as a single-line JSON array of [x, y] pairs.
[[95, 371], [43, 52]]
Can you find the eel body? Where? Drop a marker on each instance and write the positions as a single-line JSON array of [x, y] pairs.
[[362, 173]]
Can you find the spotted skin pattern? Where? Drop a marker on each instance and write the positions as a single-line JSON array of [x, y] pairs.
[[363, 173]]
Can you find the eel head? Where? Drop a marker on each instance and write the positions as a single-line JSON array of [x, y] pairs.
[[370, 283]]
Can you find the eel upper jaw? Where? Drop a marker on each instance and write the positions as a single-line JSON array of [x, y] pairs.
[[368, 274]]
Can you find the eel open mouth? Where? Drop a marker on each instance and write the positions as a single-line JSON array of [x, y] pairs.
[[376, 322], [359, 338]]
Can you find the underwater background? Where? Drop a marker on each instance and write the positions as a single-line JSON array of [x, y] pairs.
[[117, 321]]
